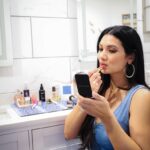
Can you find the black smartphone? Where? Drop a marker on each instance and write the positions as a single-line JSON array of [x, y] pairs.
[[83, 85]]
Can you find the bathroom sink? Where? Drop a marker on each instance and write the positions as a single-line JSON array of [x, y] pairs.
[[4, 114]]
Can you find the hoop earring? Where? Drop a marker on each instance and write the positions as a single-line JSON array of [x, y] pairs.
[[130, 67]]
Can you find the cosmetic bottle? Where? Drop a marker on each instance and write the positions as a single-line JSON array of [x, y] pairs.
[[26, 94], [34, 99], [55, 94], [42, 93], [19, 98]]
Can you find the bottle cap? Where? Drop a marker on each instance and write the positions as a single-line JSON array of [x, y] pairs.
[[53, 88], [41, 87], [25, 85]]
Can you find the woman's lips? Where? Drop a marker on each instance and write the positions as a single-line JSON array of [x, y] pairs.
[[103, 66]]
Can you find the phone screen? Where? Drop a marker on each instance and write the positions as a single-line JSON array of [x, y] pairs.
[[83, 85]]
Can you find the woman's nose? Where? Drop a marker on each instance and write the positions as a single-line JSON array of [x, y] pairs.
[[102, 55]]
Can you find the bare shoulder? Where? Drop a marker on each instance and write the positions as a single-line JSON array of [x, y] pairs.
[[141, 99], [141, 94], [139, 118]]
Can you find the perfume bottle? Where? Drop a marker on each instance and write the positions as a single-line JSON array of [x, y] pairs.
[[26, 94], [19, 98], [42, 93]]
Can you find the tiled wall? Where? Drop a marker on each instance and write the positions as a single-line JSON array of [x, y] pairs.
[[45, 46], [145, 39]]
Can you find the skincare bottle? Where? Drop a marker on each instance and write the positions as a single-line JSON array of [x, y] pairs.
[[55, 95], [26, 94], [42, 93]]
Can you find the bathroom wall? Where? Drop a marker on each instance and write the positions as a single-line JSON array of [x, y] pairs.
[[145, 37], [45, 46]]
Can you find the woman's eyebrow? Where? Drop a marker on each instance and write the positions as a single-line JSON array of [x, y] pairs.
[[112, 46], [108, 46]]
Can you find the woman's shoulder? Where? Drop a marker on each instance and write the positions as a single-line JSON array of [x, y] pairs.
[[142, 91], [141, 98]]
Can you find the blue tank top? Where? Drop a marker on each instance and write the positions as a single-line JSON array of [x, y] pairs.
[[100, 138]]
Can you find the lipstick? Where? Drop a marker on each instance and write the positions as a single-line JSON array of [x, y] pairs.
[[99, 70]]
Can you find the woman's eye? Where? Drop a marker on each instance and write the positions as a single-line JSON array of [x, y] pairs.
[[112, 50], [100, 49]]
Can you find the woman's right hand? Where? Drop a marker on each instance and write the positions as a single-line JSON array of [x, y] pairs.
[[95, 80]]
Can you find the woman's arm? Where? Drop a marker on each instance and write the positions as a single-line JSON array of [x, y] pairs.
[[139, 125], [140, 119], [73, 122], [119, 139]]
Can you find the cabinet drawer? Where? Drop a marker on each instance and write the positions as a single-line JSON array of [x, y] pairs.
[[49, 138], [14, 141], [52, 138]]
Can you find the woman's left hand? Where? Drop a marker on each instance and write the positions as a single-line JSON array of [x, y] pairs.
[[97, 106]]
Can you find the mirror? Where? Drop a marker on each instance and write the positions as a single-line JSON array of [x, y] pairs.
[[5, 34], [96, 15]]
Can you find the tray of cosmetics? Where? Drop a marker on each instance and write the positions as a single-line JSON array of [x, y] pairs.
[[22, 102]]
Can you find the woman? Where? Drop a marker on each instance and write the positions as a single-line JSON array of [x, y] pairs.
[[119, 115]]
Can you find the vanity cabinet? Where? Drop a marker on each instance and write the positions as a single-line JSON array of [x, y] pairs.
[[52, 138], [14, 141], [44, 138], [36, 132]]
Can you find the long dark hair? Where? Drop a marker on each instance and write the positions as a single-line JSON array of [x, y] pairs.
[[132, 45]]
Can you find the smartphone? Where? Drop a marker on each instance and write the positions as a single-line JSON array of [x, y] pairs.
[[83, 85]]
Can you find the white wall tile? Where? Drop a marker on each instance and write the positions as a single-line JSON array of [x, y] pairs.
[[145, 37], [140, 28], [73, 37], [72, 8], [54, 37], [6, 98], [75, 66], [147, 58], [80, 66], [21, 37], [139, 10], [147, 2], [87, 66], [47, 8], [33, 72]]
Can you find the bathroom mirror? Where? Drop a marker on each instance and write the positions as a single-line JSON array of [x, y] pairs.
[[96, 15], [5, 34]]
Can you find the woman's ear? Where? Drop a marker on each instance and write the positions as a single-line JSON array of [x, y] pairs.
[[131, 58]]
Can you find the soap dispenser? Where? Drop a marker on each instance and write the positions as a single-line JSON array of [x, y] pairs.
[[42, 93]]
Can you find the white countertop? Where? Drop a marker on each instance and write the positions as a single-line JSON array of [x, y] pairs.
[[9, 119]]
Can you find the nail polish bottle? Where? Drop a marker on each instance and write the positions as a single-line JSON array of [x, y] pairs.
[[42, 93]]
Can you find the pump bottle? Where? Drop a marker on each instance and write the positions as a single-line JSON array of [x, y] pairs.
[[42, 93]]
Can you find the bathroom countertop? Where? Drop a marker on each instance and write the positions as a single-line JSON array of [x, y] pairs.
[[10, 120]]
